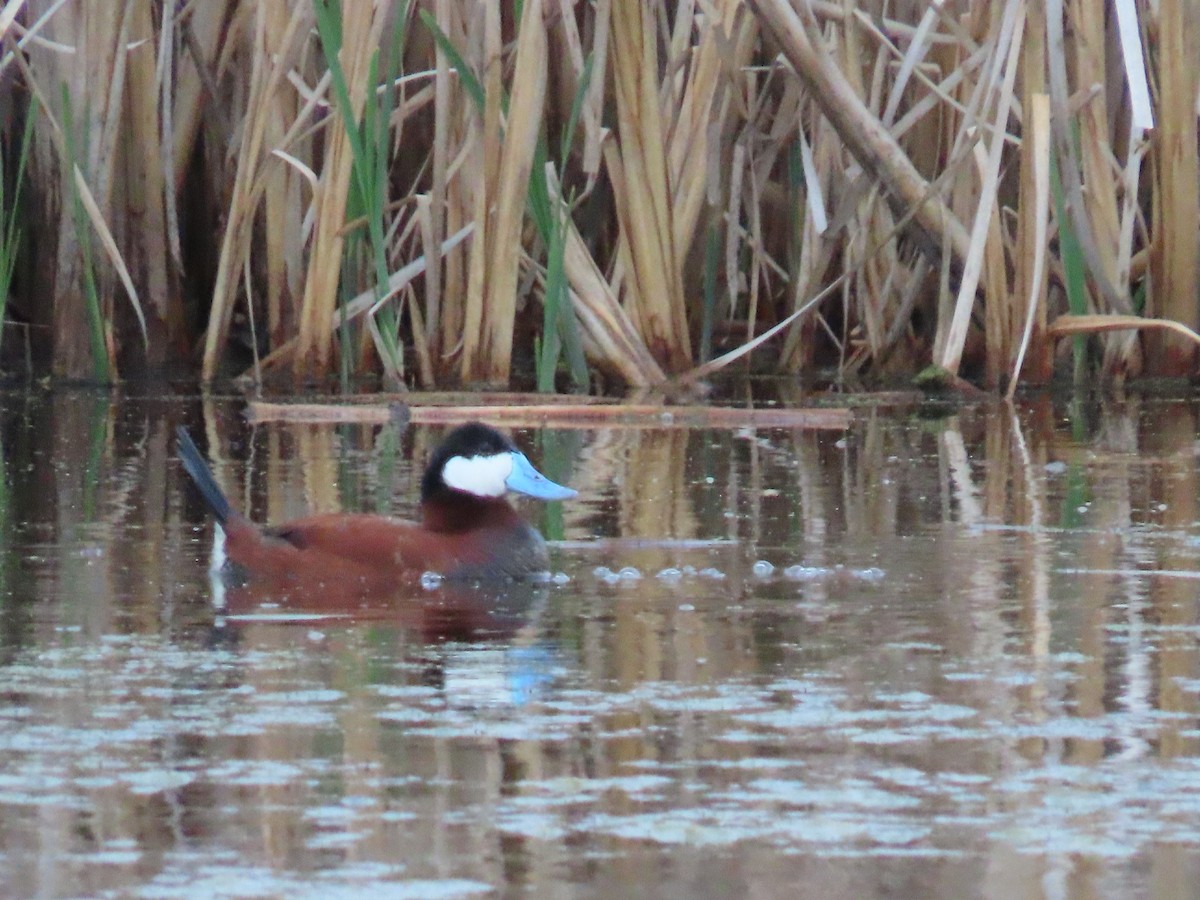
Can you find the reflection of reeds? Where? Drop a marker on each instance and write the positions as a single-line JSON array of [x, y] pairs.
[[670, 179]]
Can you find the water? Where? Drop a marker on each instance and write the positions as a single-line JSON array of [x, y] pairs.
[[944, 653]]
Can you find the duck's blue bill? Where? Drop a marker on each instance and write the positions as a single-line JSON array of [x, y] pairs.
[[525, 479]]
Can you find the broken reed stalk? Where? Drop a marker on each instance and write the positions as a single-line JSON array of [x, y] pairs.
[[872, 145]]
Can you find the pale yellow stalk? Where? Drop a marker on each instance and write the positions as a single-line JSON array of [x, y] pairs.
[[1037, 157], [489, 359], [486, 153], [362, 24], [644, 207], [1028, 298], [1092, 66], [1177, 170]]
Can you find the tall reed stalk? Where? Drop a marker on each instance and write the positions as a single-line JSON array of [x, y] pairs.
[[96, 318]]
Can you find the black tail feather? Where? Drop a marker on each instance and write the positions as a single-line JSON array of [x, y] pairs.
[[196, 466]]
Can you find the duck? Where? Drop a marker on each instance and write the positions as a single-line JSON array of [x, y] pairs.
[[467, 531]]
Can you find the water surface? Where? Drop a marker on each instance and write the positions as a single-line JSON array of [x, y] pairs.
[[944, 653]]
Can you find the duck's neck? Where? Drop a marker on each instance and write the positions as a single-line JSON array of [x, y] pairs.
[[463, 512]]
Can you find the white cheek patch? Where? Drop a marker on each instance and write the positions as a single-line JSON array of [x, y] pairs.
[[483, 476]]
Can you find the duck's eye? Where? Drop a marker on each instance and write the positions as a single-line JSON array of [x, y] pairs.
[[483, 476]]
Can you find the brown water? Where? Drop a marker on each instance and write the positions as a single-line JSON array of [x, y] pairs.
[[946, 653]]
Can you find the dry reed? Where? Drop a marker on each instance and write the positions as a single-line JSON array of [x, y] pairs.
[[785, 147]]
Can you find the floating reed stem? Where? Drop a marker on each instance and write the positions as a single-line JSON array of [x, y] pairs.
[[555, 415]]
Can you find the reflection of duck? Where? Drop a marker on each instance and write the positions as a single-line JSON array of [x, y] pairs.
[[454, 611], [467, 529], [479, 644]]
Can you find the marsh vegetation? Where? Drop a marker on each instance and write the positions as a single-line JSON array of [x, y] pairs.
[[598, 195]]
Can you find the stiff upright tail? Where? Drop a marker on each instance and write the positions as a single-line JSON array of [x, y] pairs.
[[196, 466]]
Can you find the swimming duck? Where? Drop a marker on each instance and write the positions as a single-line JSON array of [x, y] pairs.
[[467, 528]]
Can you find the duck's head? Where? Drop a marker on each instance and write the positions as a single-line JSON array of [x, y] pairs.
[[477, 460]]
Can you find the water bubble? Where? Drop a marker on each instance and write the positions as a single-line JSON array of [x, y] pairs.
[[688, 570], [803, 573], [872, 574], [670, 574], [710, 572], [629, 573], [316, 636], [431, 580], [561, 578], [607, 575], [762, 568], [1057, 467], [686, 607]]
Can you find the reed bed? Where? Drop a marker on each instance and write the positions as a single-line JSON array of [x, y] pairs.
[[598, 196]]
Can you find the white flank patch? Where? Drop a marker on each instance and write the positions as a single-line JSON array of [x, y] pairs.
[[483, 476]]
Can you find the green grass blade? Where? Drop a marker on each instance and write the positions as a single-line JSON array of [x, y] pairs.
[[470, 83], [556, 289], [559, 329], [1073, 266]]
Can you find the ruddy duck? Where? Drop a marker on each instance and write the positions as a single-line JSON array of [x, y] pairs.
[[467, 530]]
